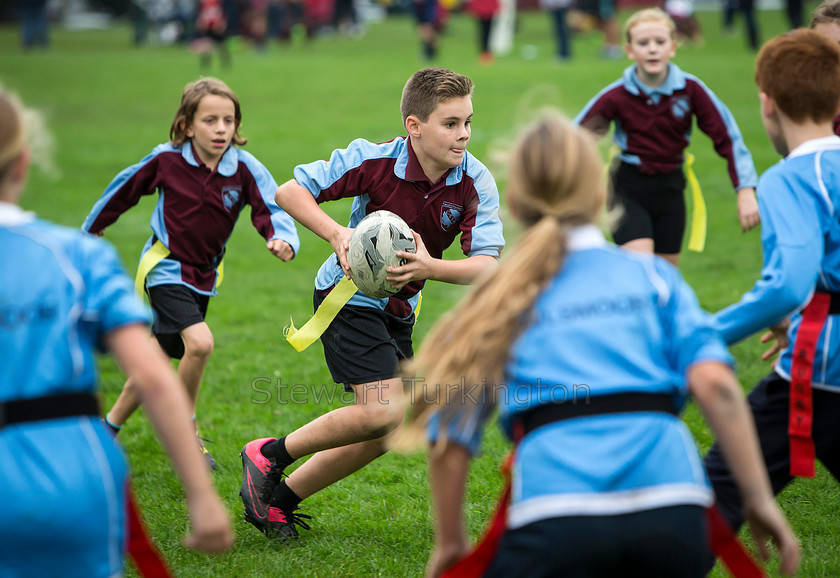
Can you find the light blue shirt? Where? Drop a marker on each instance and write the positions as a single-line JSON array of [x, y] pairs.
[[611, 321], [800, 234], [54, 315]]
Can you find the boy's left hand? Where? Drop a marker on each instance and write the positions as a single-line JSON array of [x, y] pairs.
[[748, 209], [418, 266], [280, 249]]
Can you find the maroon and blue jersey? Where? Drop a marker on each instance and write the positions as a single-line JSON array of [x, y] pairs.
[[388, 176], [653, 125], [196, 210]]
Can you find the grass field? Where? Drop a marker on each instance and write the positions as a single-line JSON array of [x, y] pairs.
[[108, 104]]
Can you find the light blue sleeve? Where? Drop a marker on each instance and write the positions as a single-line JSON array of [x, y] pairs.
[[109, 299], [319, 177], [486, 236], [690, 333], [452, 424], [793, 248], [708, 120], [281, 222]]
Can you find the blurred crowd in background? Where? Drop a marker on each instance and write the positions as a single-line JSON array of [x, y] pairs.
[[208, 26]]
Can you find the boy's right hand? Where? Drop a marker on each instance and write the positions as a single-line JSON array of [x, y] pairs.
[[211, 528], [99, 233], [340, 241]]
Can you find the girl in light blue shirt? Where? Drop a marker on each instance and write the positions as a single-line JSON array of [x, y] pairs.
[[589, 352], [63, 478]]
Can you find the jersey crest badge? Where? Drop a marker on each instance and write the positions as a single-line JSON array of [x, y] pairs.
[[230, 197], [450, 215], [680, 106]]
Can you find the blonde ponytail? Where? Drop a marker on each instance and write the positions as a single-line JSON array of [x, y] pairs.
[[21, 128], [555, 184], [12, 130]]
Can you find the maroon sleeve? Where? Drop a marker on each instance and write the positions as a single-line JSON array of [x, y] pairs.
[[711, 121], [599, 112], [123, 193]]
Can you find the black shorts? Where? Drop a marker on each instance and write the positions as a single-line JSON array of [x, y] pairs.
[[770, 405], [176, 307], [668, 541], [654, 207], [364, 345]]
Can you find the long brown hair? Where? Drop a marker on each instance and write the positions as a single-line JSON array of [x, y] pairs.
[[555, 183], [191, 97]]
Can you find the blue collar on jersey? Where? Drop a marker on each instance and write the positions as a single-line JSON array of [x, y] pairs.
[[227, 165], [673, 82], [408, 168], [11, 215]]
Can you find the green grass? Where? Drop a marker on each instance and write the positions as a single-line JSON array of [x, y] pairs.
[[108, 104]]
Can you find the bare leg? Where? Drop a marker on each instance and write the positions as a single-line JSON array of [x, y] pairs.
[[198, 345], [126, 404], [329, 466], [611, 32], [428, 40], [646, 246], [128, 401], [641, 245], [672, 258], [611, 48], [346, 439]]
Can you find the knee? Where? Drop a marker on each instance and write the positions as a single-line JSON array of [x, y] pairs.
[[382, 419], [200, 346]]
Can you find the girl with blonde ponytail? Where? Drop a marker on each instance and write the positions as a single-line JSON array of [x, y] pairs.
[[588, 351]]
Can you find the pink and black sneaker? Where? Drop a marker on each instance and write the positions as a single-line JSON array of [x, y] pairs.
[[255, 491], [260, 475], [281, 525]]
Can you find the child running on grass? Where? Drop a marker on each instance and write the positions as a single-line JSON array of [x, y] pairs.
[[203, 180], [63, 478], [652, 106], [606, 480], [798, 296], [430, 180]]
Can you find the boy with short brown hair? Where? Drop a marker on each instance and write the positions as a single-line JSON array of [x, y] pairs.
[[430, 180], [798, 297]]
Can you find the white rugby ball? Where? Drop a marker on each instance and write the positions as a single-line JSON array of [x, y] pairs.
[[373, 247]]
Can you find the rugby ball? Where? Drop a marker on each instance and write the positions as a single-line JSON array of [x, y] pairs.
[[373, 247]]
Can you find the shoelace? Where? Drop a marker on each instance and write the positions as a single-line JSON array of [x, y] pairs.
[[294, 518], [203, 441], [272, 478]]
